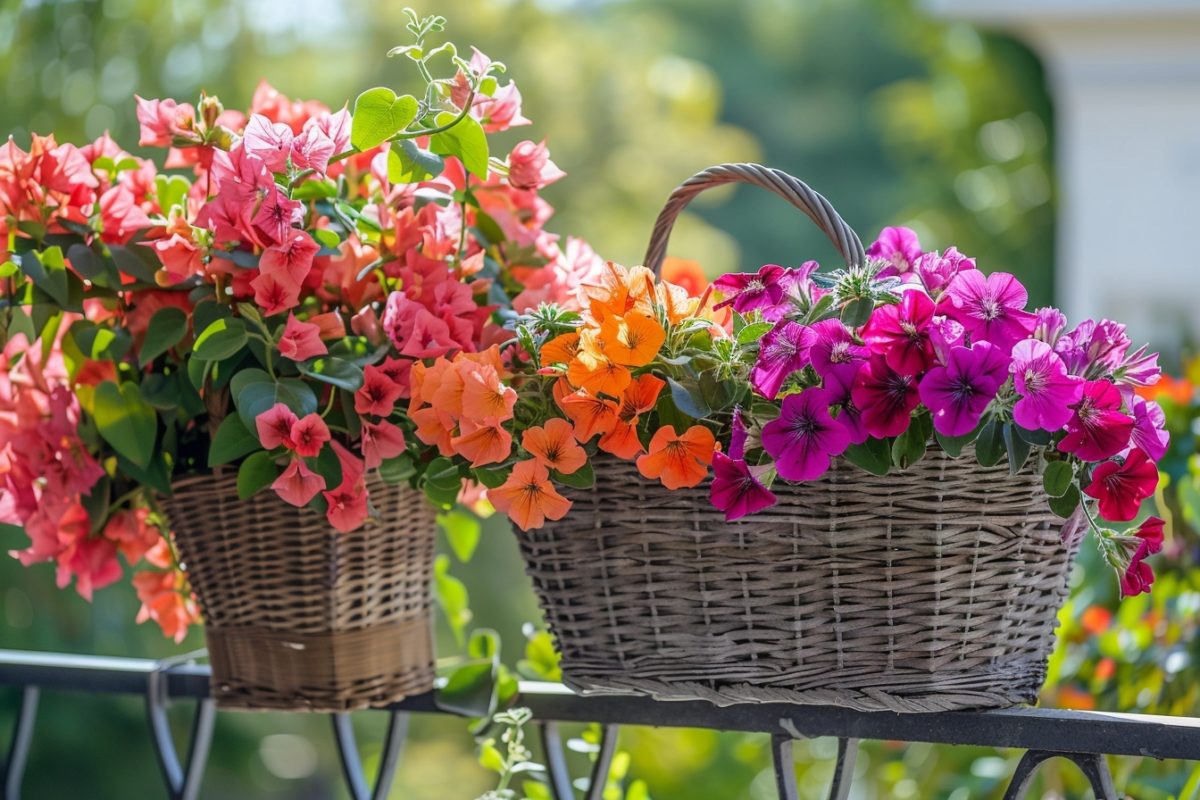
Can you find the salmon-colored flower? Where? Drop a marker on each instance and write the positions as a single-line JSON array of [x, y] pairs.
[[132, 532], [590, 415], [378, 394], [309, 435], [554, 446], [434, 427], [166, 600], [482, 444], [275, 427], [687, 275], [632, 340], [298, 484], [484, 398], [678, 461], [301, 340], [381, 441], [528, 497], [561, 349], [639, 397], [597, 375]]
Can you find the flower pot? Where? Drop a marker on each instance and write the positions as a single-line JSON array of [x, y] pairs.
[[299, 616], [931, 589]]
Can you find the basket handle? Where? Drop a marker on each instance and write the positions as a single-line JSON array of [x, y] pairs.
[[794, 190]]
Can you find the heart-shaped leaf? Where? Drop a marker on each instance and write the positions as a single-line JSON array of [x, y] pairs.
[[232, 441], [167, 328], [126, 421], [378, 114], [408, 163], [256, 473], [220, 340], [466, 140]]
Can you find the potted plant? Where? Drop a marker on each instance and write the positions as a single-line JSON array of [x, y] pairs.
[[863, 488], [207, 363]]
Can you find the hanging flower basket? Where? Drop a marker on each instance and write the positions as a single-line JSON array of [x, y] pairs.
[[301, 616]]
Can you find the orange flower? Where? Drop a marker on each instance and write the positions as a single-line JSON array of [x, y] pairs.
[[434, 427], [619, 292], [528, 497], [561, 349], [632, 340], [678, 461], [490, 357], [482, 444], [590, 415], [553, 445], [1180, 391], [677, 302], [484, 398], [641, 395], [685, 274], [597, 375]]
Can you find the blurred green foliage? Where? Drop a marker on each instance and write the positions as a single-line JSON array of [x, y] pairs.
[[896, 118]]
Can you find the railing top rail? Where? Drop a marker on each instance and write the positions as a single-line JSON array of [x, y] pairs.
[[1029, 728]]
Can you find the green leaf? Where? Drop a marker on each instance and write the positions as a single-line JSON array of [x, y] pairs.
[[1058, 478], [989, 447], [462, 531], [688, 399], [1065, 505], [490, 477], [254, 398], [873, 455], [136, 260], [909, 447], [231, 442], [582, 478], [857, 312], [378, 114], [408, 163], [162, 391], [49, 272], [541, 660], [171, 190], [490, 758], [315, 190], [466, 140], [220, 340], [99, 343], [256, 473], [1018, 449], [1038, 437], [753, 332], [326, 238], [126, 421], [398, 469], [953, 445], [93, 267], [167, 328], [452, 597], [333, 371], [209, 311]]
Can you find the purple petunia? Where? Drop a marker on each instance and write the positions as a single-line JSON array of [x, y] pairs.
[[958, 393], [1047, 392], [899, 248], [936, 270], [991, 308], [748, 291], [1149, 423], [1093, 349], [784, 350], [804, 437], [833, 346], [839, 382]]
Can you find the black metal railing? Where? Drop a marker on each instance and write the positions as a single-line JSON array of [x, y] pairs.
[[1084, 737]]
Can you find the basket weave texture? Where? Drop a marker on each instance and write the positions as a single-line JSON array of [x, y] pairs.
[[301, 617], [930, 589]]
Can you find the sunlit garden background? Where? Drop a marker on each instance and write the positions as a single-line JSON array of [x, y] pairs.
[[898, 118]]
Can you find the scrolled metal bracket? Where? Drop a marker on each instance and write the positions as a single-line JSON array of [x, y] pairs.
[[785, 770], [561, 787], [1093, 766], [389, 759], [183, 782], [12, 771]]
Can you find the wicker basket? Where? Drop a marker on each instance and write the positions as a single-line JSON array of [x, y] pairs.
[[930, 589], [301, 617]]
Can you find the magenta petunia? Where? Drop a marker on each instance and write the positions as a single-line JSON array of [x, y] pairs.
[[958, 393], [899, 248], [945, 334], [1093, 349], [900, 333], [1047, 392], [991, 308], [804, 437], [735, 489], [884, 397], [1148, 434], [781, 352], [747, 291], [1098, 429], [1050, 325], [839, 382], [1121, 488], [1138, 577], [834, 346], [1140, 368], [936, 270]]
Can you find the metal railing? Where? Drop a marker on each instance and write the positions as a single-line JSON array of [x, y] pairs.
[[1084, 737]]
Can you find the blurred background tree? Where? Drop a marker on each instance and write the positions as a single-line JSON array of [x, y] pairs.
[[896, 118]]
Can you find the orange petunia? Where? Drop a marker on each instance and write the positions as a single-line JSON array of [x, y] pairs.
[[561, 349], [434, 427], [685, 274], [426, 380], [490, 357], [590, 415], [597, 375], [528, 497], [553, 445], [679, 461], [482, 444], [639, 397], [485, 399], [632, 340]]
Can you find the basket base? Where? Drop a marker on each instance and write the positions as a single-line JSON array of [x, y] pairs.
[[256, 669]]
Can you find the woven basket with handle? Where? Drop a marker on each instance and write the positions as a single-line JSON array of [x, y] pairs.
[[930, 589], [299, 616]]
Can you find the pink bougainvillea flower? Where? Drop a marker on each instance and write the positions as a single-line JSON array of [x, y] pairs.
[[958, 393], [275, 427], [735, 489], [272, 142], [1149, 422], [293, 257], [1121, 488], [897, 246], [347, 509], [1098, 430], [274, 294], [309, 435], [884, 397], [92, 562], [900, 333], [380, 441], [991, 308], [298, 484], [804, 437], [133, 533], [1047, 392], [312, 149], [160, 121], [839, 382], [378, 394], [784, 350], [747, 291], [301, 340], [1138, 576], [833, 346], [180, 258], [530, 167], [936, 270]]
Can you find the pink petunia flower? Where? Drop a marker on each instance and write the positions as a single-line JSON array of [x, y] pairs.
[[804, 437], [1051, 323], [301, 340], [834, 347], [309, 435], [1138, 576], [298, 484], [530, 167], [783, 350], [897, 246], [1098, 430], [747, 291], [1148, 434], [936, 270], [991, 308], [958, 393], [735, 489], [1047, 391], [884, 397], [945, 334], [1121, 488], [839, 382], [1093, 349], [275, 427], [900, 333]]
